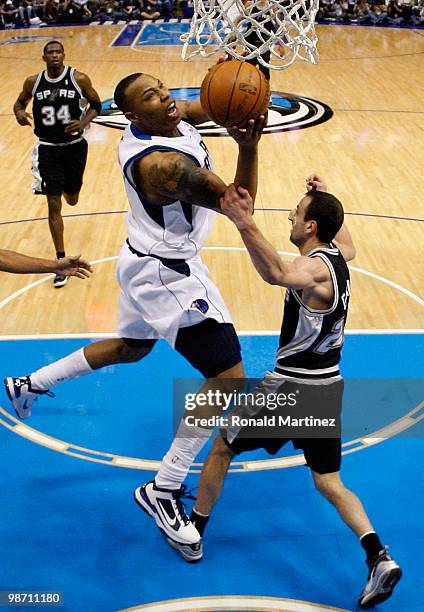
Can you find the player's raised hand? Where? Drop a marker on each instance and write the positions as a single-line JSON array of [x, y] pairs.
[[73, 266], [226, 57], [237, 205], [251, 135], [313, 181], [23, 118]]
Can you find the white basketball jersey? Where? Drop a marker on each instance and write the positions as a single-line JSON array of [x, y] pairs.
[[177, 230]]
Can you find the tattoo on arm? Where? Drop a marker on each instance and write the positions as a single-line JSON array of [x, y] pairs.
[[192, 111], [176, 177]]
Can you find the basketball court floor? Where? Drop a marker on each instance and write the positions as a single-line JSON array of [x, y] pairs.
[[69, 523]]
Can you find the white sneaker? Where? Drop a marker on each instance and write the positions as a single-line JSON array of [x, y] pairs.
[[384, 574], [167, 508], [22, 395], [192, 553]]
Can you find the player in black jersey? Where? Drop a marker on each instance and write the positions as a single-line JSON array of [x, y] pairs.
[[307, 360], [64, 103]]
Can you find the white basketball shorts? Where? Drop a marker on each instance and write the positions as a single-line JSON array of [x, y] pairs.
[[156, 301]]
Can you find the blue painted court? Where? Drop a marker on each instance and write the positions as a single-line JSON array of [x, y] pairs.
[[69, 523], [155, 33]]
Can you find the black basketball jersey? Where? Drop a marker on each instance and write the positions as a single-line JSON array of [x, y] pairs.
[[56, 102], [311, 340]]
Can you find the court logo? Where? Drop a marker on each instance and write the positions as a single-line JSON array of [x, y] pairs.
[[287, 112]]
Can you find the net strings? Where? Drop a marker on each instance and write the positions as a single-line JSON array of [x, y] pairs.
[[281, 29]]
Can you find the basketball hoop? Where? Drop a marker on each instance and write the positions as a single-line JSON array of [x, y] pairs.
[[282, 30]]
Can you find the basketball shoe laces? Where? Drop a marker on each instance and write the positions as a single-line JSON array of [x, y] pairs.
[[27, 381], [179, 496], [383, 555]]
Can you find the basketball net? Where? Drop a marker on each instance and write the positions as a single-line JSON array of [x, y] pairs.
[[264, 29]]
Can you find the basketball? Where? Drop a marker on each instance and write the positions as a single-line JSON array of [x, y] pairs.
[[234, 92]]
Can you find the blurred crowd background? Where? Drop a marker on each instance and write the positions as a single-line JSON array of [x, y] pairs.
[[392, 12], [18, 13]]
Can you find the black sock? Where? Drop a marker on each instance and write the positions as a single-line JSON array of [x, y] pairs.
[[199, 521], [60, 254], [371, 544]]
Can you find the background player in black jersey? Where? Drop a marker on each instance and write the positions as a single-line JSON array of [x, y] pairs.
[[18, 263], [61, 96], [311, 339]]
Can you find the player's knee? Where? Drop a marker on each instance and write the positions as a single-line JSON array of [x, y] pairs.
[[54, 204], [234, 372], [211, 347], [72, 200], [329, 485], [130, 351], [222, 451]]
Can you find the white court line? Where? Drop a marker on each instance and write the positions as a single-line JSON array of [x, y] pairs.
[[46, 278], [119, 34], [411, 295], [405, 422], [233, 602], [134, 43], [11, 297], [254, 332], [39, 438], [378, 277]]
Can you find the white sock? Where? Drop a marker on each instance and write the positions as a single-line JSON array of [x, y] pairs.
[[71, 366], [175, 465]]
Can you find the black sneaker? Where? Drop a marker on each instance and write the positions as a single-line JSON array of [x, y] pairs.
[[383, 576], [60, 281]]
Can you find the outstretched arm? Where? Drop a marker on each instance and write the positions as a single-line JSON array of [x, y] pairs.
[[298, 274], [343, 239], [247, 161], [10, 261], [248, 139]]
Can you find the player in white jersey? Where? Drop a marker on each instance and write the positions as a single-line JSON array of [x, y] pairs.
[[165, 288]]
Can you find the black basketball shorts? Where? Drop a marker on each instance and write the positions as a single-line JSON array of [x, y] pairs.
[[315, 403], [59, 169]]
